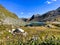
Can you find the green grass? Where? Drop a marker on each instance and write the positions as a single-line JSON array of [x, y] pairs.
[[5, 12], [44, 35]]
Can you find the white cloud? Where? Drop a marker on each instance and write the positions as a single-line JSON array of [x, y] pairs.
[[48, 2], [22, 13]]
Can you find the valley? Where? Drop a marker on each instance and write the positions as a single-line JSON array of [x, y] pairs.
[[37, 30]]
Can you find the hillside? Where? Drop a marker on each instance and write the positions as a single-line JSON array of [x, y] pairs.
[[7, 17], [5, 13], [53, 15]]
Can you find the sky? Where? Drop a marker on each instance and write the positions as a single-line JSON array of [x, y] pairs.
[[26, 8]]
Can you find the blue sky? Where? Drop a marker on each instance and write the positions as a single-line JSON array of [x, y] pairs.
[[26, 8]]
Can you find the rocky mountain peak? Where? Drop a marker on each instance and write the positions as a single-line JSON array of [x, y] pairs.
[[58, 9], [37, 15]]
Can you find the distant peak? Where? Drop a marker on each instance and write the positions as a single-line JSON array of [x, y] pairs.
[[58, 8], [36, 15]]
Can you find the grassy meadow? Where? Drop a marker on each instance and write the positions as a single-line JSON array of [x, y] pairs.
[[35, 36]]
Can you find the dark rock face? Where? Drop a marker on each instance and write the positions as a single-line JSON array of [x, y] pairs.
[[58, 9], [31, 18], [35, 18]]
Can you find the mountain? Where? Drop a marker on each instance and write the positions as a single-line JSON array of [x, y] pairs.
[[35, 18], [53, 15], [58, 9], [6, 13], [9, 18]]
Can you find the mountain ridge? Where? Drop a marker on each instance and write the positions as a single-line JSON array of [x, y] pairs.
[[53, 15]]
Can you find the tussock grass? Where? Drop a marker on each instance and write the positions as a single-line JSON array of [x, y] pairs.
[[36, 36]]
